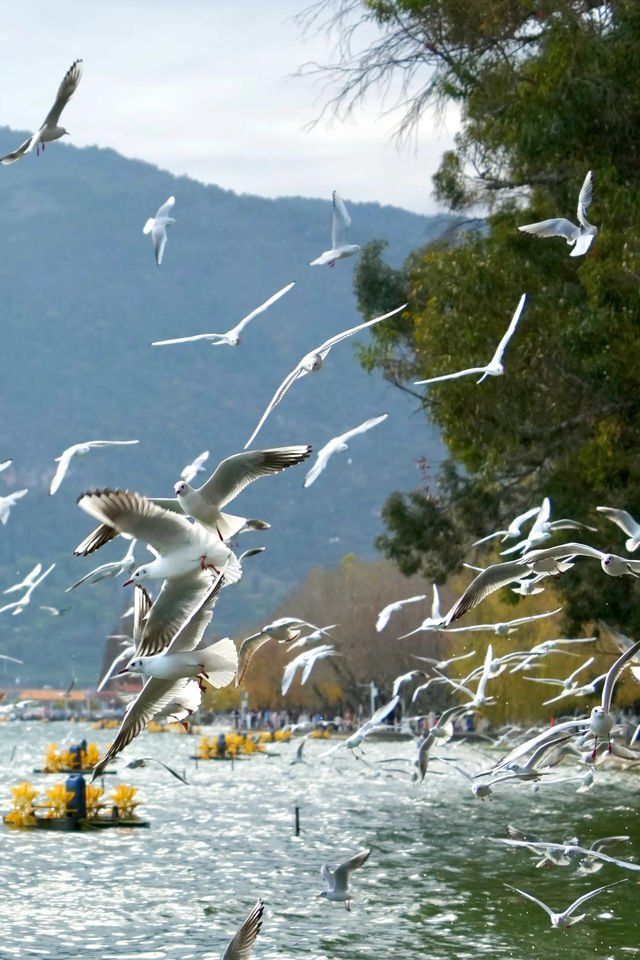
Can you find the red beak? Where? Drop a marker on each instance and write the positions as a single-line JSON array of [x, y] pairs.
[[127, 582], [124, 670]]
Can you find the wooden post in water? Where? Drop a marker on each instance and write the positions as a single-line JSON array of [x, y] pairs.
[[297, 821]]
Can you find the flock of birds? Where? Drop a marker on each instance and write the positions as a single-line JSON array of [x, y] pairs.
[[189, 536]]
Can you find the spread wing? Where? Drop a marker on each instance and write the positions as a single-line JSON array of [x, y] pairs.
[[584, 199], [341, 222], [556, 227], [165, 209], [21, 150], [66, 90], [326, 346], [242, 944], [234, 473], [298, 371], [179, 616], [130, 512]]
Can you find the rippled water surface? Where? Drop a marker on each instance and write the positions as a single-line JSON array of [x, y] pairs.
[[433, 886]]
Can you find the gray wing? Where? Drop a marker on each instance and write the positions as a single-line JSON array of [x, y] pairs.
[[248, 648], [242, 944], [557, 227], [130, 512], [154, 696], [622, 518], [179, 616], [341, 222], [612, 675], [492, 578], [96, 539], [234, 473], [19, 152], [297, 372], [66, 90], [341, 873]]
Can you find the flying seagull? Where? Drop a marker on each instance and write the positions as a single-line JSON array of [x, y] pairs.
[[338, 445], [6, 503], [311, 363], [339, 235], [626, 523], [578, 237], [232, 336], [494, 368], [338, 880], [157, 227], [563, 920], [50, 129], [79, 450]]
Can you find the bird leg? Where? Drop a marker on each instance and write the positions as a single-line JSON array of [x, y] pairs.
[[205, 566]]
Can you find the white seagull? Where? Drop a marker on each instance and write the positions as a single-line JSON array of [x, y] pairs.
[[6, 503], [180, 547], [79, 450], [312, 362], [195, 467], [339, 235], [27, 581], [232, 336], [25, 599], [385, 614], [205, 503], [50, 129], [513, 530], [578, 237], [307, 659], [543, 527], [626, 523], [563, 920], [492, 369], [241, 946], [338, 445], [158, 694], [429, 623], [504, 628], [338, 880], [216, 662], [157, 227]]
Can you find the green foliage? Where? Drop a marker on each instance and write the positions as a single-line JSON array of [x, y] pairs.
[[547, 91]]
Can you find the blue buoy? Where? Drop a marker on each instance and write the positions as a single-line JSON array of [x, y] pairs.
[[75, 784]]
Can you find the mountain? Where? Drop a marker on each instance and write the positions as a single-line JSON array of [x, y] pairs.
[[82, 297]]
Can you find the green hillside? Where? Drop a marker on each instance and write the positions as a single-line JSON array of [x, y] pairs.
[[82, 297]]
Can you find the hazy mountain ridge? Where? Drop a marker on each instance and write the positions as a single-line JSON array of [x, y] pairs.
[[83, 298]]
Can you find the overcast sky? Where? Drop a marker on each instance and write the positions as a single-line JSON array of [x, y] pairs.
[[203, 87]]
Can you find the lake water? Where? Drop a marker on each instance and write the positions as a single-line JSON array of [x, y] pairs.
[[433, 886]]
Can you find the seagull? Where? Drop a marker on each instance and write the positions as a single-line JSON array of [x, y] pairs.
[[478, 699], [613, 565], [569, 850], [494, 368], [50, 129], [284, 630], [626, 523], [143, 761], [513, 530], [563, 920], [27, 581], [216, 662], [158, 693], [339, 235], [312, 637], [543, 528], [113, 569], [430, 623], [546, 647], [157, 227], [195, 467], [307, 659], [180, 547], [385, 614], [55, 611], [205, 503], [368, 727], [6, 503], [79, 450], [242, 944], [312, 362], [24, 600], [338, 880], [501, 629], [232, 336], [338, 445], [578, 237]]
